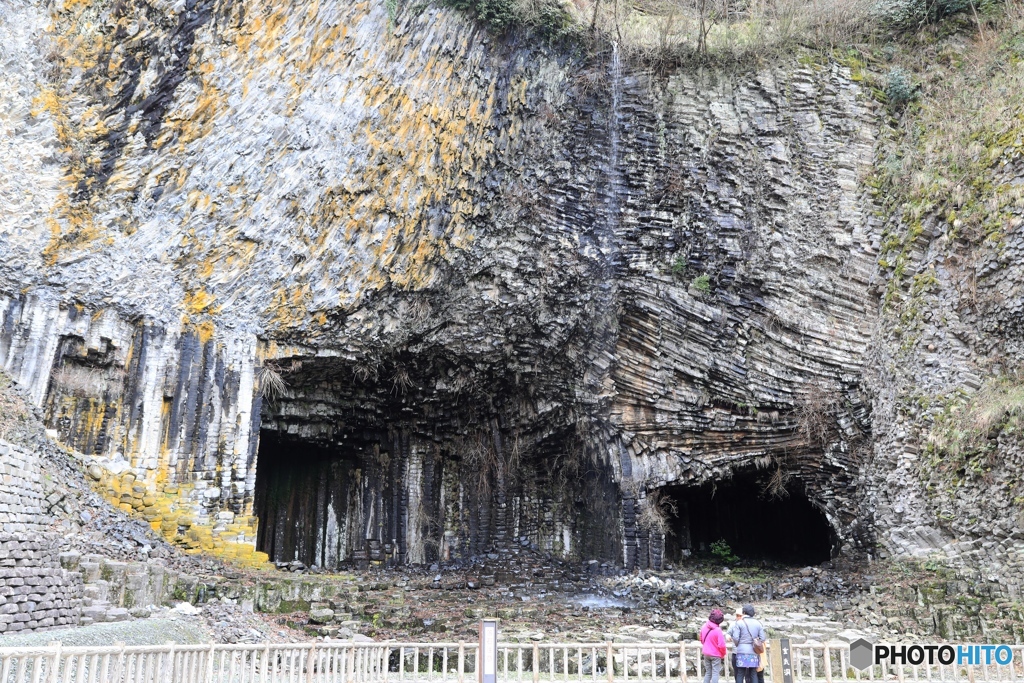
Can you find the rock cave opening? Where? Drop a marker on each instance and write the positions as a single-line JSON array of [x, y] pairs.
[[755, 525], [355, 470], [303, 491], [354, 504]]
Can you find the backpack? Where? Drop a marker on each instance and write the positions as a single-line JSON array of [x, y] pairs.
[[757, 643]]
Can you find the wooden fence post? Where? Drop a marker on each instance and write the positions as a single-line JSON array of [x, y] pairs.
[[609, 661], [775, 660], [120, 662], [55, 644], [209, 663], [169, 671]]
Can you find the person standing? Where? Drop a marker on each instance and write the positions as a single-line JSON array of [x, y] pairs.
[[737, 616], [749, 636], [712, 642]]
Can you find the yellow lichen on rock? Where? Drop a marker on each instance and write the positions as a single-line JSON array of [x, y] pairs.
[[170, 511]]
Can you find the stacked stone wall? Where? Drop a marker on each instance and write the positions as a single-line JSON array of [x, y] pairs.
[[35, 591], [21, 492]]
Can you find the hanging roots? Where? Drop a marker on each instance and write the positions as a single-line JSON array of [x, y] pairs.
[[271, 383], [816, 413], [655, 511]]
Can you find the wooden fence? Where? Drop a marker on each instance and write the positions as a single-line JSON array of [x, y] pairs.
[[342, 662]]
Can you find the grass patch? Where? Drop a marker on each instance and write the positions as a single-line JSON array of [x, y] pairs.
[[702, 284], [963, 449], [957, 106], [967, 428]]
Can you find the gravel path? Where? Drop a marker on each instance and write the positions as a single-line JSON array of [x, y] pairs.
[[137, 632]]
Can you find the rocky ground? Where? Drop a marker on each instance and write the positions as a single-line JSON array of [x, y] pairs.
[[539, 599], [535, 597], [216, 621]]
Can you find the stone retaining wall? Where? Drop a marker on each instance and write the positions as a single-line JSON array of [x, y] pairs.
[[21, 492], [35, 591]]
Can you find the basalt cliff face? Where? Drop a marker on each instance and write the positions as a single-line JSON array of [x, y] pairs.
[[352, 287]]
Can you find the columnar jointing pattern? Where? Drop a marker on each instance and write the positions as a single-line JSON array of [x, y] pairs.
[[363, 471], [506, 307]]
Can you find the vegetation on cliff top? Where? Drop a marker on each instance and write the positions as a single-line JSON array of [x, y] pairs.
[[679, 30], [948, 159]]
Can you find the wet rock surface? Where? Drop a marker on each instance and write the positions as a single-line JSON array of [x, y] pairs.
[[539, 599], [573, 301]]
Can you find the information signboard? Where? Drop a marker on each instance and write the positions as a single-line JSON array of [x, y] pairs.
[[488, 665]]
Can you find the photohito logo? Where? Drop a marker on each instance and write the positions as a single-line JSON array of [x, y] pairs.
[[864, 654]]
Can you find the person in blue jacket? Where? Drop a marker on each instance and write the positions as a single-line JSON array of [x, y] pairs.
[[745, 633]]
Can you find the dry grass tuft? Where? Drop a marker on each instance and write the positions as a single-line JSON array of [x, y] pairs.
[[816, 413], [270, 382], [997, 406], [656, 509], [776, 485], [88, 382]]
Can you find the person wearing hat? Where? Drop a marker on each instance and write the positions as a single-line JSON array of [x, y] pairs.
[[749, 636], [712, 642], [759, 674], [737, 616]]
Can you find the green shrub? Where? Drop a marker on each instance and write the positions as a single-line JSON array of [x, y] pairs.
[[702, 283], [679, 267], [899, 89], [498, 14], [723, 552], [548, 17]]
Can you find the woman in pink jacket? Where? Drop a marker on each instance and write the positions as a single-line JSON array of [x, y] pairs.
[[712, 642]]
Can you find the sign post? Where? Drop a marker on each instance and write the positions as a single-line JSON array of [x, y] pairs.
[[780, 660], [487, 664]]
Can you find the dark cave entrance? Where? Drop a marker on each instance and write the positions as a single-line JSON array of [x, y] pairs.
[[394, 467], [301, 487], [350, 503], [757, 526]]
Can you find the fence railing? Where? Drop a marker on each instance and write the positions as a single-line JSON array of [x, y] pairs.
[[341, 662]]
